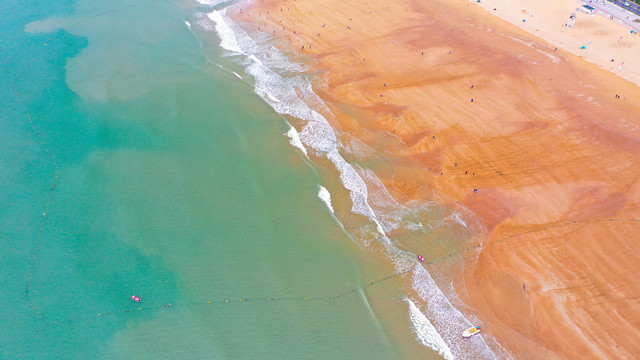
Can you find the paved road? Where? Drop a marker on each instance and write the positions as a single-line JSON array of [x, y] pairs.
[[625, 17]]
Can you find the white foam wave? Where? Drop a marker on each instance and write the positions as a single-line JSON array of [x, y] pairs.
[[228, 39], [290, 96], [447, 319], [272, 98], [457, 219], [357, 188], [288, 93], [391, 214], [211, 2], [295, 140], [358, 149], [426, 333], [325, 196]]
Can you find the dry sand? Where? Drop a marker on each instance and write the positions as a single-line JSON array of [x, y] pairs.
[[605, 39], [478, 103]]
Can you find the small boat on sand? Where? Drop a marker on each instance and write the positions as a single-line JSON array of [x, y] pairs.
[[420, 258], [135, 298], [471, 331]]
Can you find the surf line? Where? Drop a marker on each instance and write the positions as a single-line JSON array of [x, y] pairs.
[[52, 189]]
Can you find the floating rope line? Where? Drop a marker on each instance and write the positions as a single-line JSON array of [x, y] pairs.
[[325, 299], [330, 299], [50, 194], [106, 12]]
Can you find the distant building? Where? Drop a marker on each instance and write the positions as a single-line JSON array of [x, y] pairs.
[[588, 9]]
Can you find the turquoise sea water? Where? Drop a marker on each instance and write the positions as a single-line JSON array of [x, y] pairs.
[[141, 157], [173, 182]]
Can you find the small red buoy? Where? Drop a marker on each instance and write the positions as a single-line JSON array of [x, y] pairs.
[[135, 298]]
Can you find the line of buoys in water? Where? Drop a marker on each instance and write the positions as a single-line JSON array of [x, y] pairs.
[[331, 299], [50, 194], [226, 301], [421, 262]]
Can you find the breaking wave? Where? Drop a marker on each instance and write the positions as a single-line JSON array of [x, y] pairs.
[[325, 196], [295, 139], [385, 225], [426, 333]]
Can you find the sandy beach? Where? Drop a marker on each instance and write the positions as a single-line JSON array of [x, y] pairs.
[[604, 39], [517, 126]]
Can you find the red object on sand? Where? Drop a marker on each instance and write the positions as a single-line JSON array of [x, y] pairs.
[[135, 298], [420, 258]]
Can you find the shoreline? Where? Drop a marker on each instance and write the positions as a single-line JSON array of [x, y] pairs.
[[480, 104]]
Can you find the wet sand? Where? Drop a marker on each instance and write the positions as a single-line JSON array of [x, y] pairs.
[[540, 144]]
